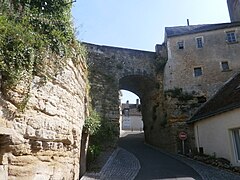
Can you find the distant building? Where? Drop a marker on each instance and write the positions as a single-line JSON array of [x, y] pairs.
[[217, 123], [131, 117]]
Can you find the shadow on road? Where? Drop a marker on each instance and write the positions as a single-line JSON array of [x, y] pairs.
[[154, 163]]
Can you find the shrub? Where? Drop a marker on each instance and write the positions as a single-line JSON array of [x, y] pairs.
[[92, 123], [29, 30]]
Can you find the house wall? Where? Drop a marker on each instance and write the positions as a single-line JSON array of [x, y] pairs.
[[134, 123], [179, 70], [214, 134]]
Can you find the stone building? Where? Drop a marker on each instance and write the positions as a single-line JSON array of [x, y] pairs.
[[201, 57], [131, 118]]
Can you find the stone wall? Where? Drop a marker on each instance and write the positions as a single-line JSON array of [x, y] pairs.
[[43, 141], [104, 87], [179, 71], [183, 91], [121, 62], [112, 69]]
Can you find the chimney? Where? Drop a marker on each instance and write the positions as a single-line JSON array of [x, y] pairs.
[[127, 104], [137, 102], [187, 22]]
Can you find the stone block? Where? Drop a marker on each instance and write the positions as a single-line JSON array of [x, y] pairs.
[[30, 132], [4, 172]]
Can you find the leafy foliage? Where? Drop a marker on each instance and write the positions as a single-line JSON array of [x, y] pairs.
[[51, 19], [16, 49], [103, 139], [30, 29], [92, 123], [93, 152], [179, 94]]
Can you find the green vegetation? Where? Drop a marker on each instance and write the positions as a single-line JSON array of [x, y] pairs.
[[37, 37], [103, 135], [92, 123], [119, 66], [102, 139], [161, 62], [32, 30], [179, 94]]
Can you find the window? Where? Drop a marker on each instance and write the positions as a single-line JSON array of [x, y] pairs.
[[225, 66], [236, 142], [199, 41], [197, 71], [125, 112], [180, 45], [231, 37]]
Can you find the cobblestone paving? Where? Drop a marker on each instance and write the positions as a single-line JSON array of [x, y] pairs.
[[209, 172], [122, 165]]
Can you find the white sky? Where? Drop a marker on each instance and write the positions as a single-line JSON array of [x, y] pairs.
[[139, 24]]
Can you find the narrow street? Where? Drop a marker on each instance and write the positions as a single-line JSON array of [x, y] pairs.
[[135, 160], [154, 164]]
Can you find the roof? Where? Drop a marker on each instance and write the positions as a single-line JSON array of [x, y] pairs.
[[192, 29], [133, 109], [226, 99]]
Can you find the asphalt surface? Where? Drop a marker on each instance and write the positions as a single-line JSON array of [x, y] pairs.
[[133, 159], [155, 164]]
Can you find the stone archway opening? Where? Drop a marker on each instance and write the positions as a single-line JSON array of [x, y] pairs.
[[130, 115], [145, 88]]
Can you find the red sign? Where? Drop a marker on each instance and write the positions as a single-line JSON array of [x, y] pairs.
[[182, 135]]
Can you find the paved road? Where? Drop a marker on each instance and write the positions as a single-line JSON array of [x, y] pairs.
[[154, 164]]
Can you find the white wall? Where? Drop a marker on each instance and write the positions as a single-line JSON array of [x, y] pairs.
[[3, 172], [134, 123], [214, 134]]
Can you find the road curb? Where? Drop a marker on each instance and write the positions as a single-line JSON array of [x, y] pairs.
[[121, 165]]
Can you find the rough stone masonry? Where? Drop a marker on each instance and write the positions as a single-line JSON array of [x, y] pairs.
[[43, 142]]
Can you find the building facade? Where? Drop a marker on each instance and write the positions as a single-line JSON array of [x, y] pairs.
[[201, 57], [131, 117], [217, 123], [219, 136]]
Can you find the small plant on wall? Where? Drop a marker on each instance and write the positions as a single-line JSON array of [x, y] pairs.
[[179, 94], [160, 65], [119, 66], [92, 123]]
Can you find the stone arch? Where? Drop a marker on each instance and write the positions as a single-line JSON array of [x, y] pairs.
[[112, 69], [140, 85], [143, 87]]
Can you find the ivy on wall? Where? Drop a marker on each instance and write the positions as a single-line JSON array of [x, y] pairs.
[[30, 29]]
